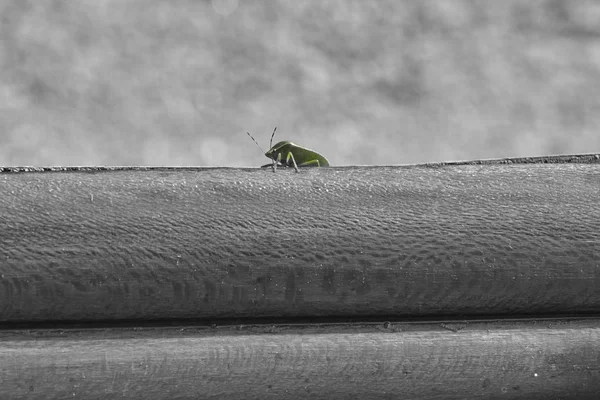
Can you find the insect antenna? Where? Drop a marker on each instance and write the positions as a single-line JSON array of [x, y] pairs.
[[254, 140], [272, 156], [271, 142]]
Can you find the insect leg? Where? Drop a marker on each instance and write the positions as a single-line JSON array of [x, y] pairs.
[[287, 160], [278, 161]]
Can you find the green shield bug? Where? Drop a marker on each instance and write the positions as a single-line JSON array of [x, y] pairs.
[[288, 154]]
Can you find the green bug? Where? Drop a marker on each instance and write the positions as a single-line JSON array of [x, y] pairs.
[[288, 154]]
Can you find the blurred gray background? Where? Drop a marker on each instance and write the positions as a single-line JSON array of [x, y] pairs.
[[158, 82]]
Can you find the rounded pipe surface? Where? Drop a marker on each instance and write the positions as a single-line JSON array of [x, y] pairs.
[[500, 360], [406, 241]]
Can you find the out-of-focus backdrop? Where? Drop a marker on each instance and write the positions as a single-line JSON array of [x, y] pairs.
[[159, 82]]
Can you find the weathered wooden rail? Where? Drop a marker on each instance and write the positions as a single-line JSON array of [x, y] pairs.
[[443, 280]]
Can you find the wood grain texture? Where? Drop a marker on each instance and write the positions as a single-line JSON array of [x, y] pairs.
[[495, 360], [208, 243]]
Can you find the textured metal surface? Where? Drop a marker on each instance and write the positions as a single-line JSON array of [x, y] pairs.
[[494, 360], [404, 241]]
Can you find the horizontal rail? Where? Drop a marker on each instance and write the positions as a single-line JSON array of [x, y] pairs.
[[539, 360], [408, 241], [127, 250]]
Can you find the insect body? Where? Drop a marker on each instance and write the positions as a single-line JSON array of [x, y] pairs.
[[288, 154]]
